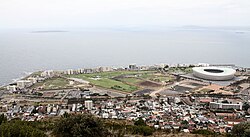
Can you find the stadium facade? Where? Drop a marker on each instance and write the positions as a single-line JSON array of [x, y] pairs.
[[214, 73]]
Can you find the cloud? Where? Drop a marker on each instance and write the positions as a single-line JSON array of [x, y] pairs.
[[101, 13]]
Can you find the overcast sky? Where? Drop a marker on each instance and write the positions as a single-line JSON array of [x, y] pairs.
[[115, 13]]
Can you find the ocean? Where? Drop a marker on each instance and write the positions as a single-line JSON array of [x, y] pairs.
[[24, 51]]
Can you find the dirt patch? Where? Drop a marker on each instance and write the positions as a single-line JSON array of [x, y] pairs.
[[149, 84], [144, 91]]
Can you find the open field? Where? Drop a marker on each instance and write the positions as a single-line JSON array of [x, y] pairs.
[[156, 78], [127, 81], [116, 80], [53, 83], [113, 74], [113, 84], [131, 80], [179, 69]]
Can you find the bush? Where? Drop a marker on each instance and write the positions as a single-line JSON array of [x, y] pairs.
[[140, 122], [83, 125], [143, 130], [19, 129], [203, 132], [3, 119], [241, 130]]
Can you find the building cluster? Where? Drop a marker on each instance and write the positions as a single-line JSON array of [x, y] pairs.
[[186, 104], [167, 113], [131, 67], [173, 113]]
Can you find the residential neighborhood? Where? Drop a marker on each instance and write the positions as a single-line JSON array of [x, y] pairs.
[[176, 102]]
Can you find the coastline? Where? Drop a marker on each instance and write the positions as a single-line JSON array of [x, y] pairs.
[[16, 79], [27, 74]]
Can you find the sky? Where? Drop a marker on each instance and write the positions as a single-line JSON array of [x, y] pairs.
[[115, 13]]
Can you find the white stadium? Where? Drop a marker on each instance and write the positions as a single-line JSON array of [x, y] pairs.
[[214, 73]]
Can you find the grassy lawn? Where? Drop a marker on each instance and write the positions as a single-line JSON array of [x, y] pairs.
[[146, 76], [127, 81], [115, 74], [113, 84], [107, 83], [185, 70], [105, 79], [2, 88], [156, 78], [54, 83]]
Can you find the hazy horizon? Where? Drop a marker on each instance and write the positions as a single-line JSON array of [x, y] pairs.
[[24, 51], [120, 13]]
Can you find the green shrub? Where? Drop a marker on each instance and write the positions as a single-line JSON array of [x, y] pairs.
[[19, 129], [140, 122], [143, 130], [83, 125], [203, 132], [241, 130]]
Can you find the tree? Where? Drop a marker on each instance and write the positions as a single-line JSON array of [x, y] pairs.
[[241, 130], [65, 115], [140, 122], [83, 125], [246, 106], [184, 122], [140, 127], [3, 119], [225, 101]]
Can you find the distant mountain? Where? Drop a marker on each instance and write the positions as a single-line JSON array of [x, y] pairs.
[[49, 31]]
